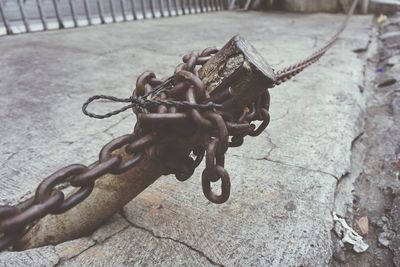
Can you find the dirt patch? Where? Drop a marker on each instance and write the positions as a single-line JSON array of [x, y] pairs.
[[376, 194]]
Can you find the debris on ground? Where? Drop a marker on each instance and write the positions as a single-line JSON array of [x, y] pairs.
[[397, 169], [387, 82], [348, 235], [377, 189], [392, 61], [381, 19], [385, 238], [362, 223]]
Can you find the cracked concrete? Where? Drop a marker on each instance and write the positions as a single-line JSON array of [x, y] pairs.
[[102, 250], [279, 212], [304, 168], [291, 165], [169, 238]]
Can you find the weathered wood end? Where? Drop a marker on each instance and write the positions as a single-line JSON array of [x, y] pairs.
[[241, 67]]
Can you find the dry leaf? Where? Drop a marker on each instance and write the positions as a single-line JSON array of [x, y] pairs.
[[363, 225]]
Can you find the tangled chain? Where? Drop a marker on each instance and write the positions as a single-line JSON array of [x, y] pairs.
[[184, 104], [218, 129], [179, 106]]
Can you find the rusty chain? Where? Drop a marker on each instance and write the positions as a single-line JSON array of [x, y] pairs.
[[177, 100], [184, 101], [49, 199], [294, 69]]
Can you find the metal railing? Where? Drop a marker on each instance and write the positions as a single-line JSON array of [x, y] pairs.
[[20, 16]]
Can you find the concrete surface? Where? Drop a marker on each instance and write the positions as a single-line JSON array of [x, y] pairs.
[[283, 182], [312, 6], [325, 5], [364, 6]]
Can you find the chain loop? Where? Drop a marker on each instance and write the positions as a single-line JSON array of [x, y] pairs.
[[32, 213], [222, 174], [48, 185], [213, 158], [108, 149], [265, 118], [95, 171]]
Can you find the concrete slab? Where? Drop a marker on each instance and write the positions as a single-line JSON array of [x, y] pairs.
[[283, 182], [312, 6]]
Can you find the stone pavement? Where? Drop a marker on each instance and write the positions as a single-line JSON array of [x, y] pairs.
[[283, 182]]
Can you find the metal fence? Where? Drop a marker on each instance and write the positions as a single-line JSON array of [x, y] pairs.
[[19, 16]]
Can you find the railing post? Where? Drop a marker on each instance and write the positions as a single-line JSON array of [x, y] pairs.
[[176, 7], [22, 12], [133, 10], [87, 12], [111, 5], [123, 10], [41, 14], [161, 4], [196, 5], [169, 8], [212, 5], [201, 6], [248, 4], [232, 4], [72, 9], [183, 7], [58, 16], [364, 6], [153, 14], [5, 21], [100, 10], [165, 7], [220, 5], [143, 9], [189, 5]]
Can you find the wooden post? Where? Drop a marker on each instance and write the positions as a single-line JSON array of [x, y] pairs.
[[237, 66]]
